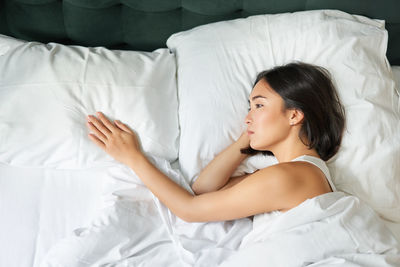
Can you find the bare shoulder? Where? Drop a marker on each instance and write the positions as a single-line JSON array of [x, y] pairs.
[[296, 180], [279, 187]]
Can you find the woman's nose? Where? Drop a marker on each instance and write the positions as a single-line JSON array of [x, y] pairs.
[[247, 119]]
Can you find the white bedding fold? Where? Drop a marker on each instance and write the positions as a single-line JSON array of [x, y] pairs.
[[137, 230], [331, 229]]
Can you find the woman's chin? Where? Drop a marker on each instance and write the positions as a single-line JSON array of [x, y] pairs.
[[254, 146], [257, 147]]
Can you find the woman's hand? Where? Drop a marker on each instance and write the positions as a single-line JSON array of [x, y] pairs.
[[116, 139], [243, 140]]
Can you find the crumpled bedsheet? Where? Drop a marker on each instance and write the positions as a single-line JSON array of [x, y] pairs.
[[333, 229]]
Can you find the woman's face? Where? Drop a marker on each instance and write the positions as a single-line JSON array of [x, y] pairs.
[[268, 123]]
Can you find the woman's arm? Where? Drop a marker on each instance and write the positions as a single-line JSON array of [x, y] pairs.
[[235, 180], [263, 191], [266, 190], [218, 172]]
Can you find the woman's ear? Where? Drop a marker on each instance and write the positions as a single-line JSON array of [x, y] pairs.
[[295, 116]]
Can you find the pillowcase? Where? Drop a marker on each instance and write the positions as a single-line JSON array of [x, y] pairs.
[[47, 90], [217, 66], [396, 77]]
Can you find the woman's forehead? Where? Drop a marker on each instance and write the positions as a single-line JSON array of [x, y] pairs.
[[261, 88]]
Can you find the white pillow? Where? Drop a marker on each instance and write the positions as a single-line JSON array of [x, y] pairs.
[[47, 90], [396, 77], [218, 63]]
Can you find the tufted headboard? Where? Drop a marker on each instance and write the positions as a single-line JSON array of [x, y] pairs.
[[146, 24]]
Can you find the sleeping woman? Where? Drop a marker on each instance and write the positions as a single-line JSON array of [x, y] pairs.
[[295, 114]]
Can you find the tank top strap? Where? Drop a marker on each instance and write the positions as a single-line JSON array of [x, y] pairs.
[[320, 164]]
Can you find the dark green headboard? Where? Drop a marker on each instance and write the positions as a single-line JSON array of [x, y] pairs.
[[146, 24]]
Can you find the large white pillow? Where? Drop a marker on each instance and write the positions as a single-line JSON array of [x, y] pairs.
[[217, 65], [47, 90], [396, 77]]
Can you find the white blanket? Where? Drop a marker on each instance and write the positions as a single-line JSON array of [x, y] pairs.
[[331, 229], [137, 230]]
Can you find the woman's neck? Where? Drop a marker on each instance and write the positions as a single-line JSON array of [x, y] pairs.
[[291, 150]]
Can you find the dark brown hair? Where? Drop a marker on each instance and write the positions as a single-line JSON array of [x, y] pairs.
[[309, 88]]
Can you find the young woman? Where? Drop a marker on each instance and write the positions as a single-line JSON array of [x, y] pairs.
[[295, 114]]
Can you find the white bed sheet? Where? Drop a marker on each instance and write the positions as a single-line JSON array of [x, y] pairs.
[[40, 206], [137, 230]]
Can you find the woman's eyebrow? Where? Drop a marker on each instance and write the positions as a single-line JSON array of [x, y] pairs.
[[255, 97]]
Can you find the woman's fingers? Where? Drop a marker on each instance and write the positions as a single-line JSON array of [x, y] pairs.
[[123, 126], [114, 137], [104, 129], [99, 125], [105, 121], [96, 131]]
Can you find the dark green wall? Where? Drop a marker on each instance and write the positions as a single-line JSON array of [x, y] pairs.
[[146, 24]]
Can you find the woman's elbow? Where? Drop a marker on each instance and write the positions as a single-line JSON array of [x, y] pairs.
[[190, 212], [188, 216], [188, 219], [197, 190]]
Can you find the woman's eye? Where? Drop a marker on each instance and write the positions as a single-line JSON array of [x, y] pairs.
[[256, 105]]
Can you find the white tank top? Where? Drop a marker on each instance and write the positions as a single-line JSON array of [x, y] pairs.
[[320, 164], [266, 217]]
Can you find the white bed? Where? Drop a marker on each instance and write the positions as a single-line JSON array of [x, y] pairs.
[[55, 185]]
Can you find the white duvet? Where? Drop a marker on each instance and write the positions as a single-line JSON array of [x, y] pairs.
[[137, 230], [331, 229]]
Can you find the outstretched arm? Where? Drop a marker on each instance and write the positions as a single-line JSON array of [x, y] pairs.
[[253, 195]]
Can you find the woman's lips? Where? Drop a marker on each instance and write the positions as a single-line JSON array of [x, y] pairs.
[[249, 132]]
